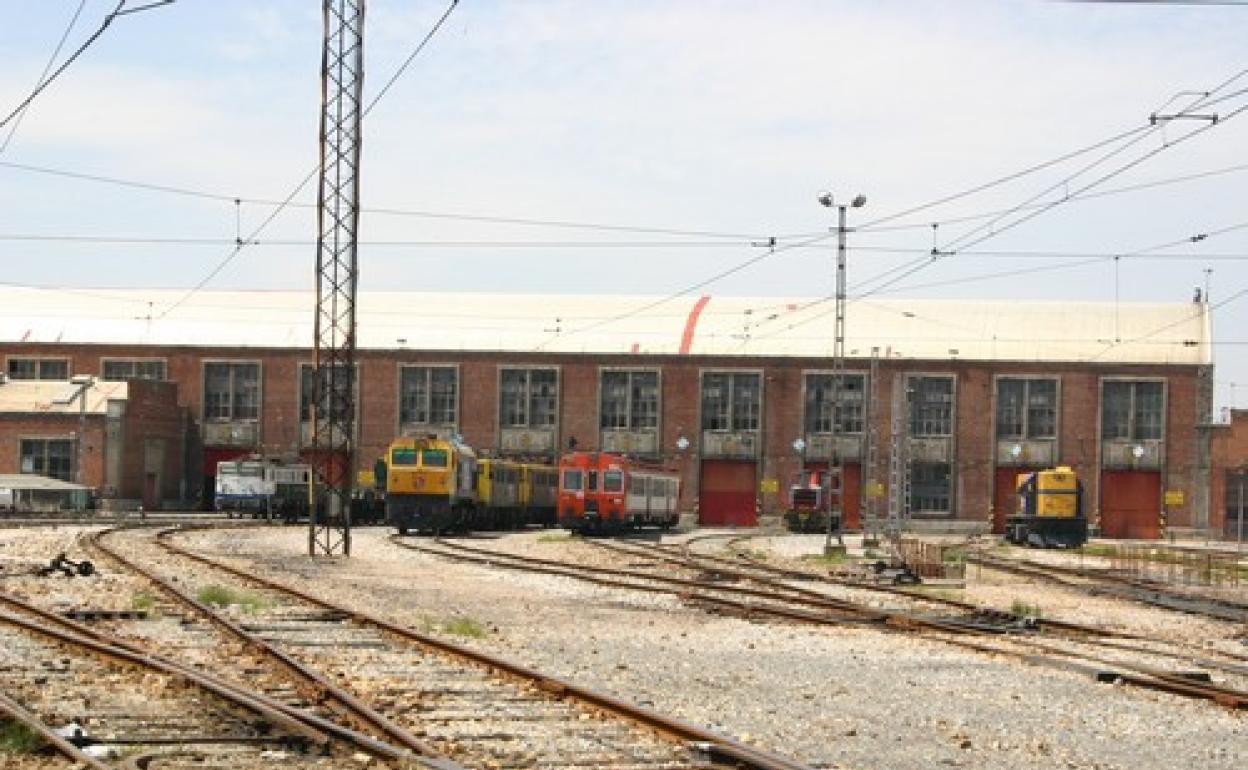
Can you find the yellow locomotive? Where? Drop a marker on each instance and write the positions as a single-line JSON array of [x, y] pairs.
[[436, 485], [1050, 510]]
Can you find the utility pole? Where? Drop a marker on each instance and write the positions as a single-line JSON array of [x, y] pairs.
[[837, 471], [338, 217]]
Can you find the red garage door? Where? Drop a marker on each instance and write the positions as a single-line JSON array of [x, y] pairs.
[[1005, 495], [1130, 504], [726, 495]]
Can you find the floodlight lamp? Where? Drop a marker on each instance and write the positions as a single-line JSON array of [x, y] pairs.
[[799, 444], [859, 202], [825, 198], [682, 443], [1137, 451]]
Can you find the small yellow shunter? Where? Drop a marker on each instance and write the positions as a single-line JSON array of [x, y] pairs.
[[1050, 510]]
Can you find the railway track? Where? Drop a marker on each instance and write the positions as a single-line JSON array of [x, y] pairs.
[[740, 589], [1099, 582], [106, 705], [441, 701]]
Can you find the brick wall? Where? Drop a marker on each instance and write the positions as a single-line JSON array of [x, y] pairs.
[[781, 419], [15, 427]]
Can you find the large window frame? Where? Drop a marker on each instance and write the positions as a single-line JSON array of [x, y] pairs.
[[114, 368], [37, 368], [933, 405], [528, 397], [428, 395], [629, 399], [1027, 408], [1133, 409], [819, 411], [307, 382], [731, 401], [931, 487], [237, 397], [55, 457]]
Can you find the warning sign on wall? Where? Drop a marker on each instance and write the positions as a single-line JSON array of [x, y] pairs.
[[1174, 497], [769, 486]]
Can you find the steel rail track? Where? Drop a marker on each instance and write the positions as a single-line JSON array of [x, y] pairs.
[[318, 726], [951, 632], [278, 726], [718, 749], [1106, 584]]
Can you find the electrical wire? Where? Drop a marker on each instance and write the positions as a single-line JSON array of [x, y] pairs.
[[56, 51], [242, 243], [119, 11]]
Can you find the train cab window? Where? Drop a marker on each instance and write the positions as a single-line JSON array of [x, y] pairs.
[[402, 456], [433, 458], [572, 481], [613, 481], [593, 481]]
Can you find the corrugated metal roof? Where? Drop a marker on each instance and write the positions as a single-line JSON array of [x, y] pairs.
[[53, 396], [756, 326]]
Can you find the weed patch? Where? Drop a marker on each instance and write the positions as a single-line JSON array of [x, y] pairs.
[[142, 600], [17, 738], [1025, 610], [223, 596], [464, 627]]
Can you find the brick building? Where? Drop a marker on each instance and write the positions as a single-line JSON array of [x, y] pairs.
[[1229, 494], [127, 441], [982, 390]]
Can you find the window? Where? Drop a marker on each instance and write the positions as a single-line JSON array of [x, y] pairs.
[[433, 458], [931, 406], [403, 456], [821, 393], [731, 401], [572, 481], [1236, 502], [231, 391], [39, 368], [929, 487], [1131, 411], [630, 400], [48, 457], [528, 398], [613, 481], [133, 369], [428, 395], [307, 387], [1026, 408]]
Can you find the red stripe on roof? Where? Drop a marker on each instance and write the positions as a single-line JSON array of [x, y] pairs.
[[691, 323]]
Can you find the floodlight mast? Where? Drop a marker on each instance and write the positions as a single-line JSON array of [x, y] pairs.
[[338, 217], [837, 476]]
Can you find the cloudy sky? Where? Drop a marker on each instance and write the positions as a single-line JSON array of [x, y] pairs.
[[689, 133]]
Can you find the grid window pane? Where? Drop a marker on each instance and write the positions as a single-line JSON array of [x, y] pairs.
[[217, 391], [414, 395], [543, 398], [1011, 395], [1148, 412], [1041, 408], [443, 395], [644, 400], [1116, 410], [821, 398], [613, 409], [335, 387], [48, 457], [931, 411], [746, 401], [39, 368], [929, 485], [133, 369], [715, 400], [513, 400]]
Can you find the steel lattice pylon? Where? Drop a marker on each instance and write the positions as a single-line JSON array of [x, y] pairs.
[[338, 216]]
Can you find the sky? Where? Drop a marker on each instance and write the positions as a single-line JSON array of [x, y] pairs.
[[689, 134]]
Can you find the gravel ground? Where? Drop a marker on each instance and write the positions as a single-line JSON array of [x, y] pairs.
[[833, 697]]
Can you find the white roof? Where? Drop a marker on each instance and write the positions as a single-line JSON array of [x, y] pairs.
[[33, 481], [57, 396], [1176, 333]]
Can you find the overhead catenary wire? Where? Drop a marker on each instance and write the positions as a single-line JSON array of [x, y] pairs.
[[56, 51], [46, 81], [298, 188]]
